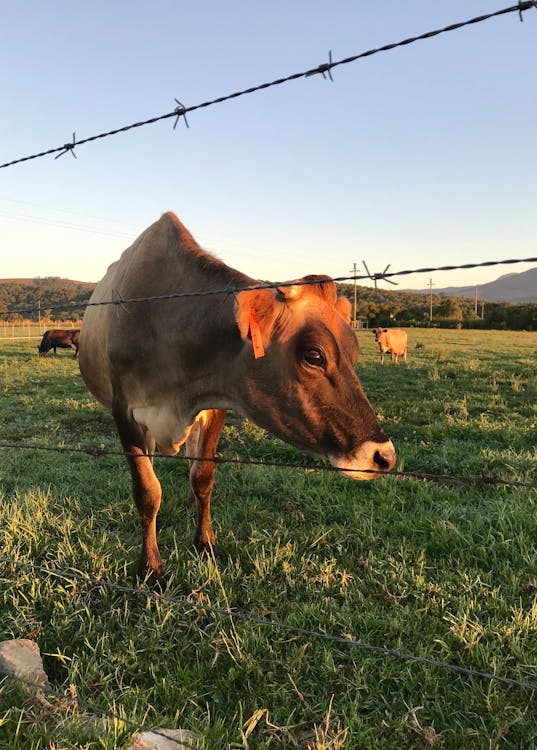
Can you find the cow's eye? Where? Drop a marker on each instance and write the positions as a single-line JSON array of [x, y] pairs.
[[314, 357]]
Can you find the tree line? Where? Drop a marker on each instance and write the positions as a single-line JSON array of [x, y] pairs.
[[382, 307], [43, 298]]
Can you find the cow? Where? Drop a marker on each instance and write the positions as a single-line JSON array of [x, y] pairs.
[[167, 369], [392, 341], [57, 338]]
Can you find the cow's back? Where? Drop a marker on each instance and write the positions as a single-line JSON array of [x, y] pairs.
[[124, 279], [396, 341], [137, 338]]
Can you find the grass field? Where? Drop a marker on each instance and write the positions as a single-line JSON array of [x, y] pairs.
[[440, 570]]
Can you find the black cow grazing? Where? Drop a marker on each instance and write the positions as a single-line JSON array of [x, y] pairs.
[[58, 338]]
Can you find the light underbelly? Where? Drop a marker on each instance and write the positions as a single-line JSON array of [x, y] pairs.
[[165, 426]]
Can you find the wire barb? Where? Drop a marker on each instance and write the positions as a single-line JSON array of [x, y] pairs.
[[323, 68], [180, 111], [379, 276], [525, 5], [68, 147]]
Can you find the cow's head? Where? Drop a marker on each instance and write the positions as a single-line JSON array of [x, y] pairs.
[[378, 333], [304, 388]]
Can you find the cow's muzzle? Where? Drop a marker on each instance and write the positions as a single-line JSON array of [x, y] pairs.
[[370, 461]]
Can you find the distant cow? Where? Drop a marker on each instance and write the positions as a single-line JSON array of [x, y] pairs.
[[391, 341], [168, 369], [58, 338]]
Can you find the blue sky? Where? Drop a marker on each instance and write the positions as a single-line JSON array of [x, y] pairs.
[[425, 155]]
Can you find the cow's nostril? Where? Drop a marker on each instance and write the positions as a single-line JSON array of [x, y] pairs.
[[385, 460]]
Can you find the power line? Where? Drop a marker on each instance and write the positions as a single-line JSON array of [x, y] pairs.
[[64, 225], [324, 68], [55, 209]]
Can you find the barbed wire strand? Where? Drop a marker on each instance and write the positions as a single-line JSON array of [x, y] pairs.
[[441, 478], [92, 708], [181, 111], [247, 617], [265, 285]]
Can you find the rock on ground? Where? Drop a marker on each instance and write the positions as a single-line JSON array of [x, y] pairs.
[[21, 659], [175, 739]]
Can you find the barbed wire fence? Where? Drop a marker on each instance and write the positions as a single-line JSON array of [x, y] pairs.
[[246, 617], [323, 69], [235, 614], [181, 111], [456, 479], [230, 291]]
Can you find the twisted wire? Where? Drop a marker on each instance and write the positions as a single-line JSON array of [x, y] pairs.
[[247, 617], [320, 69]]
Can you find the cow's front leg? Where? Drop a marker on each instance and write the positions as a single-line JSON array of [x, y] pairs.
[[147, 495], [202, 443]]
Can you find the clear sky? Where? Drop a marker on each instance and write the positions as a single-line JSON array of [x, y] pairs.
[[424, 155]]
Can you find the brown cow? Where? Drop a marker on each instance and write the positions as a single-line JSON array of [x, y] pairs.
[[169, 369], [393, 341], [57, 338]]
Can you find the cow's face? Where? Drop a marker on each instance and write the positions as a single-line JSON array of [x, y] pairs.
[[305, 389], [380, 334]]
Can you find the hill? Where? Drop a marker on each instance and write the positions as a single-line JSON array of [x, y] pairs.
[[512, 287], [58, 298], [42, 295]]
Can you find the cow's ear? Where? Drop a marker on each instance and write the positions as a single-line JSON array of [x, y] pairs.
[[384, 330], [343, 306], [262, 303], [311, 285], [290, 291]]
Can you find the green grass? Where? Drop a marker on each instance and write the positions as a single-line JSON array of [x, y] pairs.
[[444, 571]]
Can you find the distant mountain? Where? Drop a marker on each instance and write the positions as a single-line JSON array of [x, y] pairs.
[[512, 287]]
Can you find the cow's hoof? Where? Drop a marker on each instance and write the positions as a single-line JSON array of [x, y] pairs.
[[208, 550], [154, 580], [154, 584]]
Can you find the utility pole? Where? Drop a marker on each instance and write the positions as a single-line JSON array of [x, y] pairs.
[[353, 271], [475, 302], [431, 300], [39, 315]]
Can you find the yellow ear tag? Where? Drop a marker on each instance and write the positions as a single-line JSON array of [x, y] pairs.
[[255, 335]]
